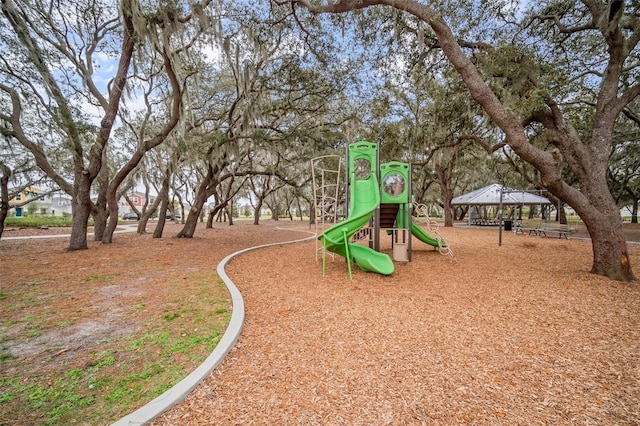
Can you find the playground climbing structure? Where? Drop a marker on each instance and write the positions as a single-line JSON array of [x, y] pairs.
[[364, 198], [378, 199], [394, 212], [326, 172]]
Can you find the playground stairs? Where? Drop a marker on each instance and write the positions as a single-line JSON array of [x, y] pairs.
[[388, 214]]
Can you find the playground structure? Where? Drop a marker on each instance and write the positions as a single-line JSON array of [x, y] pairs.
[[378, 198], [326, 173]]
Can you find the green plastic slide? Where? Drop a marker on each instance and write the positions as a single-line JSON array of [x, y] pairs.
[[420, 234], [364, 200]]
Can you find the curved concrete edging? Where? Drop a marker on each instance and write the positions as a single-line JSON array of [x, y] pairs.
[[180, 391]]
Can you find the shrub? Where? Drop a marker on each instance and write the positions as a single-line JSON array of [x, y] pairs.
[[37, 221]]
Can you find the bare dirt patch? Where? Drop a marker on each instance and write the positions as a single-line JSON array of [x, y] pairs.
[[517, 334], [121, 310]]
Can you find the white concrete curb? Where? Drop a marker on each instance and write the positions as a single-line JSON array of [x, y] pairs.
[[180, 391]]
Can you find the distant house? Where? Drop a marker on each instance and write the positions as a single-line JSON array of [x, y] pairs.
[[23, 198], [36, 202], [138, 199], [56, 204]]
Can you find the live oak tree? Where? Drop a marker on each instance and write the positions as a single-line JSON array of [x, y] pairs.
[[160, 166], [48, 71], [49, 98], [222, 120], [607, 33], [212, 170], [167, 64], [267, 102]]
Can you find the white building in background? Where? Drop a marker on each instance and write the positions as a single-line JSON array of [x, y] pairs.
[[56, 204]]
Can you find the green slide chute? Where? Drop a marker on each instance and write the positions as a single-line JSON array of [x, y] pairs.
[[420, 234], [363, 201]]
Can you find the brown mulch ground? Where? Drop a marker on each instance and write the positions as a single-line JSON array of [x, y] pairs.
[[517, 334]]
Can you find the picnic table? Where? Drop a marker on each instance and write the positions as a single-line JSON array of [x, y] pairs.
[[561, 230], [483, 221], [546, 230], [529, 230]]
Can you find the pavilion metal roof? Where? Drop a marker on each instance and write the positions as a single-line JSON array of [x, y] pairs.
[[490, 195]]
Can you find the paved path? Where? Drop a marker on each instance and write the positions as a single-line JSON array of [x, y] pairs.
[[126, 228]]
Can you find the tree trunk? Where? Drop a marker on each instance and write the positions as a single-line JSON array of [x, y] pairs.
[[81, 211], [562, 215], [159, 229], [601, 216], [138, 155], [180, 204], [82, 200], [256, 212], [100, 213], [300, 211], [112, 206], [164, 203], [163, 200], [462, 212], [100, 216], [447, 194], [275, 209], [610, 252], [229, 210], [143, 218], [191, 222], [312, 213], [147, 212], [4, 196]]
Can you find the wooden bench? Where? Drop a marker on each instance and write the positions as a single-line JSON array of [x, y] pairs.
[[552, 230]]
